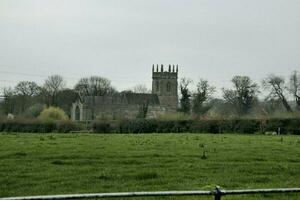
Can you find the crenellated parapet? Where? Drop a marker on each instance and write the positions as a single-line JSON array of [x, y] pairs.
[[158, 71], [171, 69]]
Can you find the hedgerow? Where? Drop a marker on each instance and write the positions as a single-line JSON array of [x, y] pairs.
[[37, 126], [243, 126]]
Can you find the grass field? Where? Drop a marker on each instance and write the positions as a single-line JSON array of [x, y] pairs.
[[39, 164]]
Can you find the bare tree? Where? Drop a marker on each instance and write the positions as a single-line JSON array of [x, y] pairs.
[[27, 88], [140, 88], [295, 87], [244, 94], [94, 86], [24, 93], [277, 89], [52, 86], [203, 93]]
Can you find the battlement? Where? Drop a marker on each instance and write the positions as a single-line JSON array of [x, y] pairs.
[[171, 69]]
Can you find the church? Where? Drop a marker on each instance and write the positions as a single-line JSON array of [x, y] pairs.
[[125, 105]]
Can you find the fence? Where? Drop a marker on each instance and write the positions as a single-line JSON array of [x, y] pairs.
[[217, 193]]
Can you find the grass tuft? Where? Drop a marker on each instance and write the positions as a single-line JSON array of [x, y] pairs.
[[20, 154], [105, 177], [58, 162], [146, 175]]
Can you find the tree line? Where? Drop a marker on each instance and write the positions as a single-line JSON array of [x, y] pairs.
[[28, 98], [243, 98]]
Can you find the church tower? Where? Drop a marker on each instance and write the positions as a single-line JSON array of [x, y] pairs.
[[165, 85]]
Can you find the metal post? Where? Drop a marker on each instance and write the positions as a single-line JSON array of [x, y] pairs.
[[218, 193]]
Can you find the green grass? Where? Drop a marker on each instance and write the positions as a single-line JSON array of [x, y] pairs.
[[40, 164]]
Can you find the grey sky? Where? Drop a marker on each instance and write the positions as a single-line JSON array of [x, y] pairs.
[[121, 39]]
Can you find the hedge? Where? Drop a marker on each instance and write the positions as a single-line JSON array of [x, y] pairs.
[[248, 126], [101, 127], [36, 126]]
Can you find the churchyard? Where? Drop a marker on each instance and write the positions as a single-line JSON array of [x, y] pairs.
[[48, 164]]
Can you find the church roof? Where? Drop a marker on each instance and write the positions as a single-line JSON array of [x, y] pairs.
[[139, 98], [123, 98]]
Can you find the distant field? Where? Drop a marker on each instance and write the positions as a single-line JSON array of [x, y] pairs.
[[38, 164]]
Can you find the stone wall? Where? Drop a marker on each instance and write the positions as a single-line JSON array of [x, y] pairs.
[[115, 111]]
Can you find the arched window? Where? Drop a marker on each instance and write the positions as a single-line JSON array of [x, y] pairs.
[[157, 86], [77, 113], [168, 87]]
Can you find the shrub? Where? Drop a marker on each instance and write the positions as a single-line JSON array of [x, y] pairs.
[[101, 127], [27, 126], [137, 126], [2, 126], [52, 114], [227, 126], [34, 111], [37, 126], [67, 126], [247, 126], [274, 125], [213, 126], [206, 126], [294, 126]]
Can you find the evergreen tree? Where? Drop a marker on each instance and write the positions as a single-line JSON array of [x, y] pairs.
[[185, 100]]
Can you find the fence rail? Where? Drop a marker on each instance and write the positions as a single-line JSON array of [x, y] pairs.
[[217, 193]]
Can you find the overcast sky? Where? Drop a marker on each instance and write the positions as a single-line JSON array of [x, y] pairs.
[[121, 39]]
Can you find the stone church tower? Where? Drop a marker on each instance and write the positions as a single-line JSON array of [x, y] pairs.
[[165, 86]]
